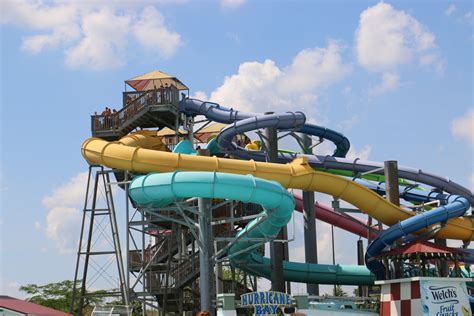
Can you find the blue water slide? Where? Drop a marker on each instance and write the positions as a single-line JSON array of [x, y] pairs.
[[160, 189], [421, 196], [221, 114], [218, 113], [456, 206], [246, 122], [408, 193]]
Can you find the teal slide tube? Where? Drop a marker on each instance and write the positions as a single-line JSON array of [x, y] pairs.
[[160, 189]]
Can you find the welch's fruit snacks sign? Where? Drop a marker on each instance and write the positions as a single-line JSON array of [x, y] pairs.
[[444, 298]]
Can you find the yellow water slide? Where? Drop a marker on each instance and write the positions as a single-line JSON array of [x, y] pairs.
[[143, 153]]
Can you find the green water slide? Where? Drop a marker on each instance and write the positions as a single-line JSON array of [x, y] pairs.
[[160, 189]]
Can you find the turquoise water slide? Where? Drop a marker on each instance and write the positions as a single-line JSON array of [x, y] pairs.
[[160, 189]]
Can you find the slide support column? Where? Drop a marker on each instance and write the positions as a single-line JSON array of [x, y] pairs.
[[310, 243], [391, 181], [206, 271], [392, 194], [277, 250]]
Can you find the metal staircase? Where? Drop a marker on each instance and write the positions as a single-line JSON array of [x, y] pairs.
[[141, 109]]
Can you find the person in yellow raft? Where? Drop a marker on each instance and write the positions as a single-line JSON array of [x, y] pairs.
[[253, 145]]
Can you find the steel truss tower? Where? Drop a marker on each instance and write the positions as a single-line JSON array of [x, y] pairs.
[[98, 215], [165, 250]]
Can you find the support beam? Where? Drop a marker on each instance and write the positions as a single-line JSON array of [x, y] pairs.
[[219, 273], [310, 243], [391, 181], [190, 125], [127, 229], [277, 250], [206, 279], [363, 290], [392, 194], [116, 240], [333, 254], [443, 264]]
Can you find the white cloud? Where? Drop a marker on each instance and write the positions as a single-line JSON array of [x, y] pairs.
[[450, 10], [61, 34], [362, 154], [69, 194], [250, 86], [386, 38], [63, 227], [11, 288], [433, 60], [469, 17], [151, 32], [58, 21], [92, 35], [265, 86], [313, 68], [200, 95], [428, 59], [463, 127], [36, 15], [389, 83], [350, 123], [103, 44], [64, 213], [232, 4], [63, 218]]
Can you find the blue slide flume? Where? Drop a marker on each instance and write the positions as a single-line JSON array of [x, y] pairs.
[[456, 207], [157, 190], [219, 113], [241, 123]]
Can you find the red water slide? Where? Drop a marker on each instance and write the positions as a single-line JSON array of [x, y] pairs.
[[328, 215]]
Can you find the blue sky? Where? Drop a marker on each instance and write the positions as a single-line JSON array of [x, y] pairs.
[[394, 77]]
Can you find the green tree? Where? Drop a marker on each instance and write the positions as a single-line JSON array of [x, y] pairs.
[[240, 276], [338, 291], [59, 296], [56, 295]]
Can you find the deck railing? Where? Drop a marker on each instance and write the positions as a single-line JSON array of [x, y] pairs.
[[133, 102]]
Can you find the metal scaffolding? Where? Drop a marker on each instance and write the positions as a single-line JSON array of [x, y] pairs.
[[97, 217], [164, 249]]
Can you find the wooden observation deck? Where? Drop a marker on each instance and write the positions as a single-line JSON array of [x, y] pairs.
[[153, 104]]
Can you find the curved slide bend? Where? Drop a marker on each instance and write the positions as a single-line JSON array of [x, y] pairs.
[[456, 207], [284, 121], [298, 175], [131, 154], [245, 122], [453, 206], [160, 189], [321, 211]]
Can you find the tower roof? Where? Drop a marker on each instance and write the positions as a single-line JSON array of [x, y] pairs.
[[154, 79]]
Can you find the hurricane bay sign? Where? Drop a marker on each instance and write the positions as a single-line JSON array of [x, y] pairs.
[[265, 302]]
